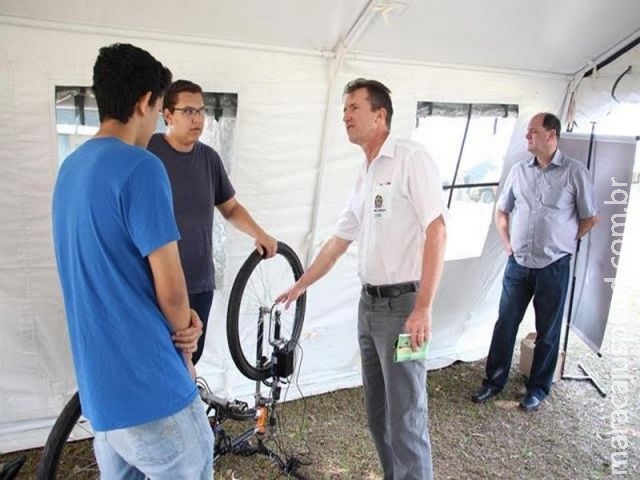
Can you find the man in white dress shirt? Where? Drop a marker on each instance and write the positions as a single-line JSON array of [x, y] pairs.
[[396, 215]]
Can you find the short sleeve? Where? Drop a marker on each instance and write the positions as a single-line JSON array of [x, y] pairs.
[[348, 226], [585, 194], [147, 206], [425, 188], [221, 183], [507, 200]]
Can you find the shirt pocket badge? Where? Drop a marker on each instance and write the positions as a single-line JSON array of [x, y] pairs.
[[381, 201]]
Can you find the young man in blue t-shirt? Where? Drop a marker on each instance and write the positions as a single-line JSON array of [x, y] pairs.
[[128, 315]]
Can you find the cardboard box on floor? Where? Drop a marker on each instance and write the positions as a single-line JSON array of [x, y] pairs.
[[526, 356]]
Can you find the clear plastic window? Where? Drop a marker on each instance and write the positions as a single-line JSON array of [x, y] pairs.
[[468, 142]]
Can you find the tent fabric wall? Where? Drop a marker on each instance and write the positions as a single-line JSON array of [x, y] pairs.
[[596, 95], [281, 103]]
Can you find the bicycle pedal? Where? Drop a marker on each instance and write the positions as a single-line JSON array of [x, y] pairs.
[[238, 406]]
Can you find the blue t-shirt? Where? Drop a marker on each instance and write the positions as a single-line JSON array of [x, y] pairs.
[[199, 182], [111, 208]]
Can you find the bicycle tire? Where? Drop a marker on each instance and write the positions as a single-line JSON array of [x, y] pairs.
[[239, 338], [49, 465]]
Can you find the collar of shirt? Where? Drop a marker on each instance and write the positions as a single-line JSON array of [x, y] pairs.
[[387, 149], [557, 159]]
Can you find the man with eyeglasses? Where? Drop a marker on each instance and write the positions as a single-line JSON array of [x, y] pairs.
[[199, 182]]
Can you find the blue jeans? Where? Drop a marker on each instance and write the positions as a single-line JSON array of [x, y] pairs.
[[176, 447], [201, 303], [548, 288], [395, 394]]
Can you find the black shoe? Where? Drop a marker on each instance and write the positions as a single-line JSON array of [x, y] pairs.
[[484, 394], [530, 403]]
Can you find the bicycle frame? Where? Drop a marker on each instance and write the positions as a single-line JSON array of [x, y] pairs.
[[265, 416]]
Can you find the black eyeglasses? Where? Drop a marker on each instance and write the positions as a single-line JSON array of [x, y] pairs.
[[191, 112]]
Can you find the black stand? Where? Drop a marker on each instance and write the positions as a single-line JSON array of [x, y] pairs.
[[251, 441], [588, 375]]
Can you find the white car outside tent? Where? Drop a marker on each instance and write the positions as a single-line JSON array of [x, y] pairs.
[[291, 163]]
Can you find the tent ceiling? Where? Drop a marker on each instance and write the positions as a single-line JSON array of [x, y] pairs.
[[547, 35]]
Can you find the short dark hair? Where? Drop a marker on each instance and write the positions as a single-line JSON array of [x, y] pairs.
[[378, 93], [551, 122], [176, 88], [124, 73]]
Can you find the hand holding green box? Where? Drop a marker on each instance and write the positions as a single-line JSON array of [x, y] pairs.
[[403, 352]]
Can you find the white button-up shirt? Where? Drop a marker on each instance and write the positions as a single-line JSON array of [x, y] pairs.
[[392, 202]]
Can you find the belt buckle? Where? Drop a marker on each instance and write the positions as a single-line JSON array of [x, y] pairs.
[[394, 292]]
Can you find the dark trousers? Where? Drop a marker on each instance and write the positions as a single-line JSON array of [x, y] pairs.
[[201, 303], [548, 287]]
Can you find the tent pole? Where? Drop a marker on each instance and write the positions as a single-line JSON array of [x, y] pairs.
[[356, 30]]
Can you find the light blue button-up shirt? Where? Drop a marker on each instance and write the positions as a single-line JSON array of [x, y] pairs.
[[544, 205]]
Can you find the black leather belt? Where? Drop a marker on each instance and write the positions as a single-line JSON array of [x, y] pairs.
[[393, 290]]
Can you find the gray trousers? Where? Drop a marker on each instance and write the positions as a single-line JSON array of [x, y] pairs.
[[395, 394]]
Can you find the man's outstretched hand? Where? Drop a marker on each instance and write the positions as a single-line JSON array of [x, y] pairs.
[[290, 295]]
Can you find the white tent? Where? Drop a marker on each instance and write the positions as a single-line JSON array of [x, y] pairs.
[[287, 61]]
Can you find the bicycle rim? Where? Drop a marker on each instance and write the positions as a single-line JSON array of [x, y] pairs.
[[257, 284]]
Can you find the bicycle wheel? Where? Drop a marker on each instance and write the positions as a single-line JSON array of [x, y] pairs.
[[251, 304], [63, 458]]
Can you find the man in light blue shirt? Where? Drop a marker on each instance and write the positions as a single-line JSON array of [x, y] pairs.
[[547, 203]]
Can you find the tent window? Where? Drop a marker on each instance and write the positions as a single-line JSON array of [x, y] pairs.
[[77, 120], [468, 142]]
